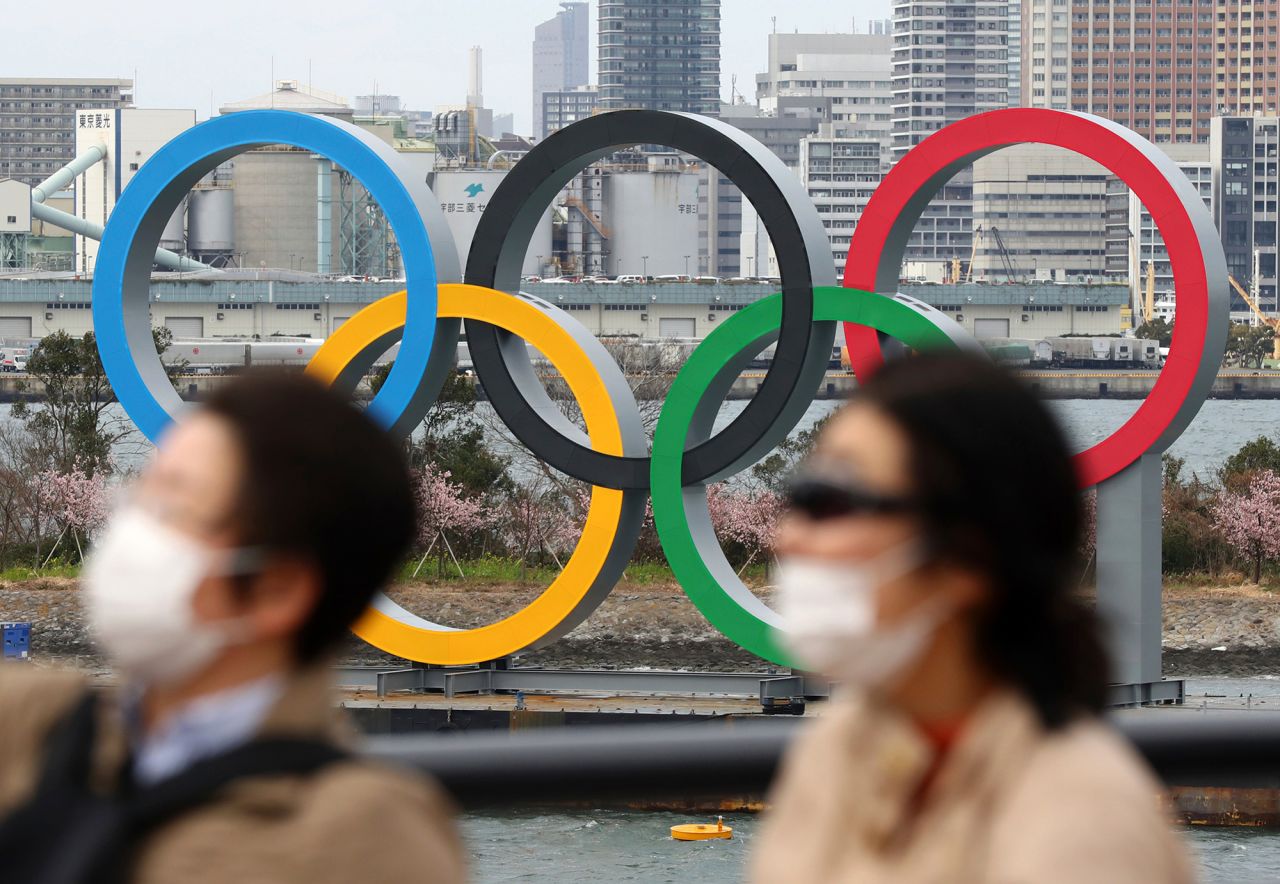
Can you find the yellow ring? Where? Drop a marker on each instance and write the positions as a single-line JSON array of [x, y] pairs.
[[388, 626]]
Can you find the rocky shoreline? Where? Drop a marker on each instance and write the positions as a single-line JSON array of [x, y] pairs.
[[1228, 631]]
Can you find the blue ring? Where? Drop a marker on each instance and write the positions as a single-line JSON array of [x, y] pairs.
[[122, 277]]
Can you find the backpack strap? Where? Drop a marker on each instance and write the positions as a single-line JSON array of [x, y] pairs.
[[194, 786], [66, 834]]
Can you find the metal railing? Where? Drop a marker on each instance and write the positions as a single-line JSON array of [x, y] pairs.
[[735, 758]]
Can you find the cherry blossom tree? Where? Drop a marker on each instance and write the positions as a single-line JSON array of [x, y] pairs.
[[748, 518], [76, 500], [542, 518], [1249, 520], [444, 506]]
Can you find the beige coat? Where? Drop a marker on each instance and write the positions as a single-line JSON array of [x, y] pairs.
[[350, 821], [1010, 804]]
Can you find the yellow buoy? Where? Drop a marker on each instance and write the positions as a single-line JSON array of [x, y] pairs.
[[702, 831]]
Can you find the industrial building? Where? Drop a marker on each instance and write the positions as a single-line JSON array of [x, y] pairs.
[[464, 194], [117, 143], [38, 120], [244, 304], [15, 224], [635, 218]]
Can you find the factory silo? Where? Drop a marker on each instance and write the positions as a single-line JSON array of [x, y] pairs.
[[211, 223], [175, 235]]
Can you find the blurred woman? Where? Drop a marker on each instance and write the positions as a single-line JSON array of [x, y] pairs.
[[926, 565]]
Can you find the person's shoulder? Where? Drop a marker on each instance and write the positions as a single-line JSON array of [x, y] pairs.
[[364, 783], [373, 807], [1086, 807], [1089, 756], [33, 697]]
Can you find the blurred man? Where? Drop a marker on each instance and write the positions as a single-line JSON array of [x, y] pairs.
[[258, 534]]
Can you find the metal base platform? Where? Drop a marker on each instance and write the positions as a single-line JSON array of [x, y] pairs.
[[1166, 692], [780, 691]]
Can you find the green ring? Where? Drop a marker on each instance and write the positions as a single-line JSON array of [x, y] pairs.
[[680, 512]]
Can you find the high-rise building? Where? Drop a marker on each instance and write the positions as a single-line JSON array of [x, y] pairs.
[[1046, 49], [1135, 246], [561, 46], [1248, 61], [660, 55], [1245, 153], [38, 121], [949, 61], [841, 80], [822, 101], [1015, 53], [840, 174], [1151, 68], [1164, 70], [560, 107]]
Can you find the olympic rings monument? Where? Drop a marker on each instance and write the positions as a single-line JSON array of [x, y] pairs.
[[613, 455]]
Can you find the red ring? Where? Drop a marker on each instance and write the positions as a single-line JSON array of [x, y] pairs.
[[929, 164]]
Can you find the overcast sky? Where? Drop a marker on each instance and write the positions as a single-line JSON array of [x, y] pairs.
[[207, 54]]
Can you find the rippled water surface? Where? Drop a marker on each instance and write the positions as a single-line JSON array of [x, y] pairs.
[[621, 846]]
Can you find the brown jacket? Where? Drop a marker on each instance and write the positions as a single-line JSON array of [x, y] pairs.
[[1010, 804], [351, 821]]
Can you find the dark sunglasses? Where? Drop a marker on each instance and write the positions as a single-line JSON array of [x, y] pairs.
[[822, 497]]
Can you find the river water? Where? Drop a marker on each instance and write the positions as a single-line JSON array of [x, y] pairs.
[[623, 846]]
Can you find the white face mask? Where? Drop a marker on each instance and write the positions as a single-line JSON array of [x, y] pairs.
[[829, 617], [139, 584]]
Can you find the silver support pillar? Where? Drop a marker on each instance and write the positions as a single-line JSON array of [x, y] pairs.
[[324, 215], [1129, 578]]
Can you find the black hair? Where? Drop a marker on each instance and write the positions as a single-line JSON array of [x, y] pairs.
[[999, 495], [322, 482]]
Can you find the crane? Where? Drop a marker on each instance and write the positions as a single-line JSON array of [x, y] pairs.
[[973, 253], [1010, 267], [1269, 321], [1149, 305]]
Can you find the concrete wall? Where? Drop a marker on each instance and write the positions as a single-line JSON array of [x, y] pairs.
[[276, 209], [653, 214]]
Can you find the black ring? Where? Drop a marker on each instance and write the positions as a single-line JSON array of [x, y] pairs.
[[804, 261]]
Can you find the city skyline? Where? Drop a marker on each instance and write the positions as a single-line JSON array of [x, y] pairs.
[[396, 42]]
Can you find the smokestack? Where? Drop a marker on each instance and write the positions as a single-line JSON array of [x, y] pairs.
[[475, 77]]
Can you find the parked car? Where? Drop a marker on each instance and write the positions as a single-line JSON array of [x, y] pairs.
[[630, 278]]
